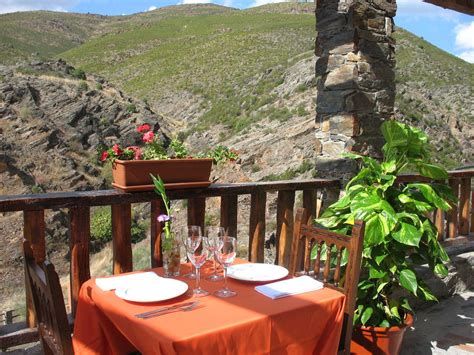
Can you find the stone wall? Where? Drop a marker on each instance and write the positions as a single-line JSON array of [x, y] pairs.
[[356, 79]]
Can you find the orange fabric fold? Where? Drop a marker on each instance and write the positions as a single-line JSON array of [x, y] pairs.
[[249, 323]]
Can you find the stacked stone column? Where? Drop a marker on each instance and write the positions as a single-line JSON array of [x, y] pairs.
[[356, 80]]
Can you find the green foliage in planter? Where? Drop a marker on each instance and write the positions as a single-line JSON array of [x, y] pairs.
[[398, 233]]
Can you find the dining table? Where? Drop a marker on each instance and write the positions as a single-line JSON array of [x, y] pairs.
[[248, 323]]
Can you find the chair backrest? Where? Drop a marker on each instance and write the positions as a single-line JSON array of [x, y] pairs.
[[51, 317], [328, 250]]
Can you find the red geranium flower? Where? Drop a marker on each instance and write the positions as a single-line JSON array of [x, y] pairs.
[[143, 128], [117, 149], [148, 137], [104, 156]]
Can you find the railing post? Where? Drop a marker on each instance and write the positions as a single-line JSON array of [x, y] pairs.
[[453, 212], [122, 237], [439, 223], [34, 231], [157, 208], [472, 212], [229, 214], [79, 236], [309, 202], [258, 202], [197, 212], [285, 222], [464, 206]]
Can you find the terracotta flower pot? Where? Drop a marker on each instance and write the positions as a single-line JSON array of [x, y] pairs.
[[134, 175], [378, 340]]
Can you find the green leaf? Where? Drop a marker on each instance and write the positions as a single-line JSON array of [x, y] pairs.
[[432, 171], [381, 286], [376, 228], [427, 294], [408, 235], [408, 280], [405, 305], [430, 195], [375, 273], [366, 314], [384, 324], [441, 270]]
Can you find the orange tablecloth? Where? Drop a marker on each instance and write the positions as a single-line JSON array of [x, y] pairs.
[[249, 323]]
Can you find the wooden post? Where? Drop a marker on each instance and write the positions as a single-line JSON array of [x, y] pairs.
[[439, 222], [285, 222], [472, 212], [157, 208], [464, 206], [229, 214], [453, 212], [258, 203], [309, 202], [197, 212], [34, 231], [122, 237], [79, 236]]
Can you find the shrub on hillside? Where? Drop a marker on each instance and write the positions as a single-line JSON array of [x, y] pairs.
[[101, 227]]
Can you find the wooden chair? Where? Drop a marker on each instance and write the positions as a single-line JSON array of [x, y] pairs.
[[305, 238], [53, 326]]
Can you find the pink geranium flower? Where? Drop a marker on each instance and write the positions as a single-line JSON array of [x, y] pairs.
[[148, 137], [137, 152], [117, 149]]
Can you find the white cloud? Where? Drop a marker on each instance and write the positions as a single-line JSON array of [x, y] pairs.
[[151, 8], [465, 41], [263, 2], [31, 5], [416, 9]]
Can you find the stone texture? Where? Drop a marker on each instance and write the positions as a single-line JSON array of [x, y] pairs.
[[355, 74]]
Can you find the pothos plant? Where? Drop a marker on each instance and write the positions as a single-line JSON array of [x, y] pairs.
[[398, 232]]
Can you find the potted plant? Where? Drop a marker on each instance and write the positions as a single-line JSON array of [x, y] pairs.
[[132, 166], [169, 244], [398, 235]]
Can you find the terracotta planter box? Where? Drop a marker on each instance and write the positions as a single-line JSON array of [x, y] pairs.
[[378, 340], [134, 175]]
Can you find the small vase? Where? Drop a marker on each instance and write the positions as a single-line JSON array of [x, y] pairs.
[[171, 256]]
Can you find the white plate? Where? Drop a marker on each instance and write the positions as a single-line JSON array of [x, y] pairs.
[[160, 290], [257, 272]]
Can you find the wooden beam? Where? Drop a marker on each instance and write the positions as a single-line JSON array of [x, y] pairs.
[[452, 214], [197, 212], [258, 202], [464, 198], [285, 224], [229, 214], [34, 231], [79, 236], [122, 237], [464, 6]]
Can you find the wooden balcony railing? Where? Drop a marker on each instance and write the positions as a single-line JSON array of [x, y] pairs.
[[79, 206], [453, 226]]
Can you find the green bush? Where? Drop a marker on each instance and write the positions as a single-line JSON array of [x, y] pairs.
[[82, 86], [101, 227], [131, 108], [79, 74]]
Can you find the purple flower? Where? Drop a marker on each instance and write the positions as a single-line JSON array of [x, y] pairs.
[[163, 218]]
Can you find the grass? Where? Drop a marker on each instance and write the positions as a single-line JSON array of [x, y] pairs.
[[290, 173]]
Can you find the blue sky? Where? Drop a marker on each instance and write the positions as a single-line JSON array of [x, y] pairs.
[[449, 30]]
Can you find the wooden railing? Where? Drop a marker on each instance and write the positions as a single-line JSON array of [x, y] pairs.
[[79, 208], [455, 225]]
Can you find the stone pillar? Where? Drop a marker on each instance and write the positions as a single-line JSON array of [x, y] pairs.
[[355, 80]]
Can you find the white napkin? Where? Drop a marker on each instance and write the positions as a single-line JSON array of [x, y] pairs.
[[289, 287], [126, 281]]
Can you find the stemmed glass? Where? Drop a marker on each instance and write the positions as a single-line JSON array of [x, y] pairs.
[[214, 236], [188, 232], [225, 256], [197, 254]]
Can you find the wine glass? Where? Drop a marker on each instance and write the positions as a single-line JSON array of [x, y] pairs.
[[197, 254], [214, 242], [225, 256], [188, 232]]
